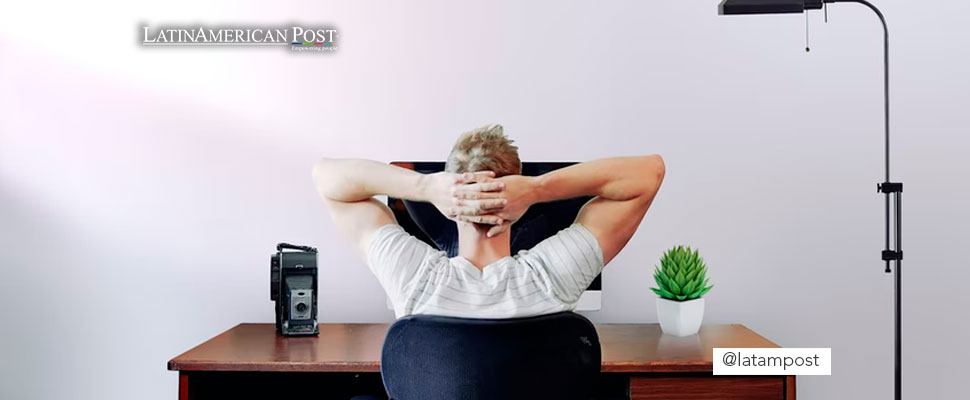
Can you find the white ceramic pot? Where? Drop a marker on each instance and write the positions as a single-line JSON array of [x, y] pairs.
[[680, 318]]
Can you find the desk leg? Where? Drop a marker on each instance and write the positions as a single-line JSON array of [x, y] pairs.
[[790, 387], [183, 385]]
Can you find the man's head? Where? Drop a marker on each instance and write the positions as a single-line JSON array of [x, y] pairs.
[[484, 149]]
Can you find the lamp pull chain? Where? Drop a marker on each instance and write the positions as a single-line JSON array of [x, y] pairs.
[[807, 47]]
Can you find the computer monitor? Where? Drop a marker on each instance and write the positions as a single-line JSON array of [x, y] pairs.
[[423, 221]]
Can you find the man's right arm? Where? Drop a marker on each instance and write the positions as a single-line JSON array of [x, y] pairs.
[[624, 188]]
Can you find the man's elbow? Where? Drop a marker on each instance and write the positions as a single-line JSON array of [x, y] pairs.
[[324, 176], [658, 167], [654, 169]]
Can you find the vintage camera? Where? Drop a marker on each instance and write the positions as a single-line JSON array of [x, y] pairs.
[[293, 286]]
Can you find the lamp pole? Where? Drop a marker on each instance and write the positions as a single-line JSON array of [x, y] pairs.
[[892, 190], [894, 200]]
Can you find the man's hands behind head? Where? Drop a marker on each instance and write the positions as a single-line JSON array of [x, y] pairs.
[[518, 193], [471, 195]]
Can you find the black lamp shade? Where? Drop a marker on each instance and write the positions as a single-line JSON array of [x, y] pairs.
[[741, 7]]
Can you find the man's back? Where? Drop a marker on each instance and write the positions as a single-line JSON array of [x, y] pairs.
[[422, 280]]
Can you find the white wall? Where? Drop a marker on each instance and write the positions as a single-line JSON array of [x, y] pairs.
[[142, 189]]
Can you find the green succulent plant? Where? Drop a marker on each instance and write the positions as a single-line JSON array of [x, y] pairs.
[[681, 275]]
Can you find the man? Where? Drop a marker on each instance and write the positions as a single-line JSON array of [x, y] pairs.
[[483, 192]]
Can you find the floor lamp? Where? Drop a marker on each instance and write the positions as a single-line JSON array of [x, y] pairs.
[[892, 190]]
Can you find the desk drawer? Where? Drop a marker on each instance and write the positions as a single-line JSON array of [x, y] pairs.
[[696, 387]]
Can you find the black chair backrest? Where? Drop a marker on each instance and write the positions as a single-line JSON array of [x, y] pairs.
[[554, 356]]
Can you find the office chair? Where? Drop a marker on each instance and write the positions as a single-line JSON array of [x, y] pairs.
[[554, 356]]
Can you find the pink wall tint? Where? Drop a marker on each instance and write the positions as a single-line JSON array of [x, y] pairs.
[[142, 190]]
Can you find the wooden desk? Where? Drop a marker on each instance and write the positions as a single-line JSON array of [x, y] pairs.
[[251, 361]]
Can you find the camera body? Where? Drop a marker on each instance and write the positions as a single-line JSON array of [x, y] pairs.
[[293, 287]]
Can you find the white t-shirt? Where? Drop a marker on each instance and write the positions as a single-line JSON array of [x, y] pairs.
[[420, 279]]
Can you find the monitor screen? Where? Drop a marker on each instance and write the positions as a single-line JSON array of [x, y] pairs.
[[541, 221]]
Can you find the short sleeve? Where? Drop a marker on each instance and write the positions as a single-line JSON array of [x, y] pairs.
[[396, 258], [568, 261]]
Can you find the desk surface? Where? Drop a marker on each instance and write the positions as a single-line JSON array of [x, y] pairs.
[[357, 348]]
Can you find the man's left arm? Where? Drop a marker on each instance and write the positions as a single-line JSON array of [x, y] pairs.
[[348, 187]]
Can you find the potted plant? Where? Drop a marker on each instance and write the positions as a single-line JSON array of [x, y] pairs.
[[682, 281]]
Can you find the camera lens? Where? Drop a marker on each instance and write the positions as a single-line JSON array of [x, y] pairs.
[[301, 307]]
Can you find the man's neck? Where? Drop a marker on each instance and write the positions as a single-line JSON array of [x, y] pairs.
[[475, 246]]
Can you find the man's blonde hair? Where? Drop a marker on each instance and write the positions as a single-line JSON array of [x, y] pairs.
[[485, 149]]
